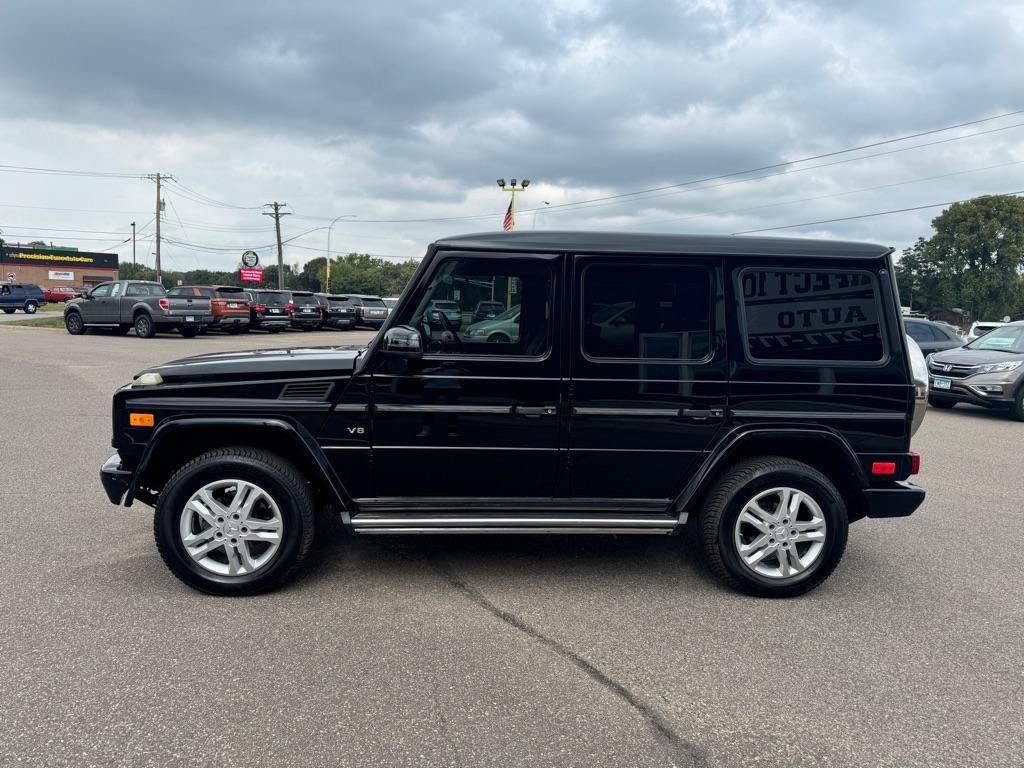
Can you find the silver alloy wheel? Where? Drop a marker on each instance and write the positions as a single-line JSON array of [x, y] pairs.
[[780, 533], [231, 527]]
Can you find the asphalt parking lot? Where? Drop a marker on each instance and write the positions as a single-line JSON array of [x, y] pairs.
[[490, 651]]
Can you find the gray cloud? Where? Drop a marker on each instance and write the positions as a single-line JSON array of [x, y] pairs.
[[411, 109]]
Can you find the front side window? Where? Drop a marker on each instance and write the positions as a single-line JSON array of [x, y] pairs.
[[646, 311], [920, 332], [804, 315], [101, 291], [115, 290], [523, 288]]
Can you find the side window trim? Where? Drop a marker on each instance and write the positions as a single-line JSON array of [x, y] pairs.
[[641, 262], [883, 321]]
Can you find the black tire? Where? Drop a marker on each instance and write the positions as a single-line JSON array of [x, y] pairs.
[[9, 311], [1017, 409], [740, 484], [31, 307], [145, 328], [188, 331], [73, 322], [498, 338], [285, 484], [940, 402]]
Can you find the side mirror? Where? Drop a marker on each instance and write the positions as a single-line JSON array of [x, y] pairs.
[[87, 294], [403, 341]]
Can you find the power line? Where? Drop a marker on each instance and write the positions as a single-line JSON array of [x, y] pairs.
[[64, 172], [199, 197], [879, 213], [824, 197]]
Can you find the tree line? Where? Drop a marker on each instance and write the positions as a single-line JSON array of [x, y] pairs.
[[352, 273], [972, 266]]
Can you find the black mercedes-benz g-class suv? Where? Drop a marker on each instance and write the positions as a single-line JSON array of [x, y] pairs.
[[758, 390]]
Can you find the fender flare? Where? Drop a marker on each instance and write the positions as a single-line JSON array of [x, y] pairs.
[[299, 437], [737, 438], [141, 306]]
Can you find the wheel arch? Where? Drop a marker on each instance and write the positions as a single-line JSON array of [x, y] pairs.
[[179, 440], [140, 308], [821, 448]]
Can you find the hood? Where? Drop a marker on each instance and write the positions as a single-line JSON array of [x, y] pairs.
[[961, 356], [260, 364]]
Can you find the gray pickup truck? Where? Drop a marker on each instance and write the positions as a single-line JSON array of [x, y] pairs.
[[125, 304]]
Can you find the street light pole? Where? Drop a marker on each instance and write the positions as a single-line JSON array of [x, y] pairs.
[[327, 288], [512, 206], [133, 249]]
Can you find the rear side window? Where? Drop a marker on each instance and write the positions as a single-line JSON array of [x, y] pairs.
[[811, 315], [646, 312]]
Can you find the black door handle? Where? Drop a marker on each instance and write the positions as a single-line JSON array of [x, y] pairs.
[[703, 414], [535, 412]]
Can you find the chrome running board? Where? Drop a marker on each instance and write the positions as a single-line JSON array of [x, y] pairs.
[[370, 523]]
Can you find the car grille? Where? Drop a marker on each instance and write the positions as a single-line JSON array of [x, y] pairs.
[[954, 372]]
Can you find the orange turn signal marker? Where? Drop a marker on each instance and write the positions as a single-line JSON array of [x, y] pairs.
[[141, 419]]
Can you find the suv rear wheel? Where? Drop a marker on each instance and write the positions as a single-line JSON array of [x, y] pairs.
[[774, 527], [235, 521]]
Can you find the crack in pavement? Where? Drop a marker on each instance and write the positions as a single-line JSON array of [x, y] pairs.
[[679, 748]]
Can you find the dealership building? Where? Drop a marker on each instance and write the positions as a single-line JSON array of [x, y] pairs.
[[49, 267]]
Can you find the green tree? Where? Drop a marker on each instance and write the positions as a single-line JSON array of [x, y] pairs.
[[974, 260]]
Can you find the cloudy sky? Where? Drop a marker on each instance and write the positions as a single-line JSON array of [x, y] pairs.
[[401, 115]]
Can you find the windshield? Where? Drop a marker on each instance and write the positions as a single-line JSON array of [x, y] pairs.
[[373, 302], [445, 305], [1008, 338]]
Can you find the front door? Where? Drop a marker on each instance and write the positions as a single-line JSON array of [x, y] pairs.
[[648, 381], [95, 309], [478, 416]]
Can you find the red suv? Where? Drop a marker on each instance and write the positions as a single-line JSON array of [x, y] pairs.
[[61, 293]]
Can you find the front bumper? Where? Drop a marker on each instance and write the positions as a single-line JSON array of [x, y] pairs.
[[897, 499], [992, 390], [116, 480]]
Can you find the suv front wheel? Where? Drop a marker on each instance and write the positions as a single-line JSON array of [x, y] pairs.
[[235, 521], [774, 527]]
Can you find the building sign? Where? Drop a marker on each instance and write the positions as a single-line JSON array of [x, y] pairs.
[[251, 275], [54, 274], [250, 259], [31, 256]]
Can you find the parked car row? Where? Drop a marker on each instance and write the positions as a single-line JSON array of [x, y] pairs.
[[190, 310]]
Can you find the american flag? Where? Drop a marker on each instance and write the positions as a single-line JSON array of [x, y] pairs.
[[510, 219]]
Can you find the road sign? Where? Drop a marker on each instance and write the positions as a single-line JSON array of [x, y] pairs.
[[250, 259]]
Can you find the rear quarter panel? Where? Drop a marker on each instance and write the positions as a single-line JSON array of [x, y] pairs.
[[868, 403]]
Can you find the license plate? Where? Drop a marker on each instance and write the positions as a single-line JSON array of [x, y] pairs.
[[275, 311], [190, 318], [941, 382], [232, 306]]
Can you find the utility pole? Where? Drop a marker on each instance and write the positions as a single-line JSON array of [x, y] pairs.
[[159, 207], [277, 214], [158, 227], [133, 249]]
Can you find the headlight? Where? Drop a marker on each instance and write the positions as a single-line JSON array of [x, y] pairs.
[[999, 367], [476, 332], [148, 380]]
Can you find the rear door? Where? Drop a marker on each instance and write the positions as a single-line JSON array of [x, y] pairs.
[[648, 378]]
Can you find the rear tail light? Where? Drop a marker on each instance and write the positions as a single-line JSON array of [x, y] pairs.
[[883, 468], [291, 306], [165, 305], [915, 463], [260, 307]]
